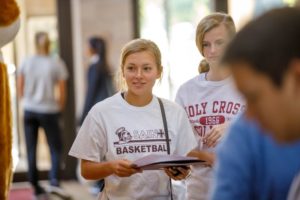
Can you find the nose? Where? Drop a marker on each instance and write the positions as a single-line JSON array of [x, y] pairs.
[[139, 73], [213, 48]]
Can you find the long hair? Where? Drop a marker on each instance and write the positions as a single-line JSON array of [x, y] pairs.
[[98, 45]]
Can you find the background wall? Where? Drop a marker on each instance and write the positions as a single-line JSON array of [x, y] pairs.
[[110, 19]]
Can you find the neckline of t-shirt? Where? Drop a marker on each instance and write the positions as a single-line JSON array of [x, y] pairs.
[[138, 108], [202, 79]]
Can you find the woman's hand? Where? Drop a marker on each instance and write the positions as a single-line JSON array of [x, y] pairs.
[[124, 168], [177, 173], [212, 139]]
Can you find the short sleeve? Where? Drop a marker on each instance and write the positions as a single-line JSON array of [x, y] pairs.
[[61, 70], [90, 143], [21, 68]]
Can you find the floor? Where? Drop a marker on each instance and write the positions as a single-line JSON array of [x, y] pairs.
[[77, 191]]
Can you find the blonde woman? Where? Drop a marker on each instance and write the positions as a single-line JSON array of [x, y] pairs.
[[128, 126], [210, 99]]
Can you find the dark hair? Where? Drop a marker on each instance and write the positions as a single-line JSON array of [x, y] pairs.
[[268, 43], [98, 45]]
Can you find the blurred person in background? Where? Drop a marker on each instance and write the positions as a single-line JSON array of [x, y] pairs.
[[99, 79], [99, 84], [40, 78]]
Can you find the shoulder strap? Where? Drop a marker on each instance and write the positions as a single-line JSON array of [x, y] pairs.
[[163, 114]]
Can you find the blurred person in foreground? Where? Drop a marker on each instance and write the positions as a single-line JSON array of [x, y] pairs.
[[259, 158]]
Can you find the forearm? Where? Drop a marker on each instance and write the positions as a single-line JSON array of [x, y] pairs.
[[20, 86], [95, 171], [99, 170], [62, 94]]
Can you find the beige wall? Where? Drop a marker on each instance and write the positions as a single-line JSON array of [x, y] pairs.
[[111, 19], [40, 8]]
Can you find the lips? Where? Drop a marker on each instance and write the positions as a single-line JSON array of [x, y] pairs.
[[214, 57], [138, 84]]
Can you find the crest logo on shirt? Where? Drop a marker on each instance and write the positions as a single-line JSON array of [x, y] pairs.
[[124, 135], [140, 141]]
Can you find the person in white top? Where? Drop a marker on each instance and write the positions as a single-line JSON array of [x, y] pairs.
[[128, 126], [210, 99], [42, 86]]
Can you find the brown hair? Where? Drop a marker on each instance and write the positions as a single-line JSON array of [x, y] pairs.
[[208, 23]]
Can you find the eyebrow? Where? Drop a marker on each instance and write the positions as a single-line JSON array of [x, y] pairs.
[[145, 64]]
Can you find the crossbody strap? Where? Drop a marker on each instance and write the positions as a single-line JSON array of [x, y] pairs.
[[163, 114]]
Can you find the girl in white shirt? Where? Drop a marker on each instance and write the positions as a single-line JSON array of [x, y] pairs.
[[128, 126], [210, 99]]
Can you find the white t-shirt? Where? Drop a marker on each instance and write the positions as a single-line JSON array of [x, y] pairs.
[[114, 129], [41, 74], [207, 103]]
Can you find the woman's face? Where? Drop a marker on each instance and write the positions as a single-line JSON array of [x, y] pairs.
[[140, 72], [214, 43], [44, 43]]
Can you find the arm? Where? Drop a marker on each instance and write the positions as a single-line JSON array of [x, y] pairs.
[[62, 94], [94, 171], [20, 85]]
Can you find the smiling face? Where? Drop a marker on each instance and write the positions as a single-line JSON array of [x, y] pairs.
[[140, 72], [276, 108], [214, 43]]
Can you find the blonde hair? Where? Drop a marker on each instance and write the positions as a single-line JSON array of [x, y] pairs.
[[135, 46], [42, 41], [208, 23], [203, 66]]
